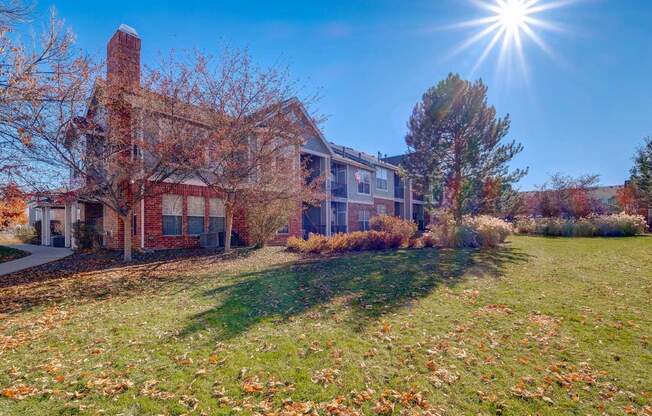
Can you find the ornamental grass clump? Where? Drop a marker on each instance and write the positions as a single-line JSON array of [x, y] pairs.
[[474, 232], [612, 225]]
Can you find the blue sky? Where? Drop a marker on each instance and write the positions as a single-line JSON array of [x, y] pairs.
[[584, 110]]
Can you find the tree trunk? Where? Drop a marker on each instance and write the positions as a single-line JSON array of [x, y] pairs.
[[228, 212], [127, 235]]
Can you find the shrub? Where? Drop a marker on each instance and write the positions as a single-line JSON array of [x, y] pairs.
[[614, 225], [264, 220], [428, 240], [481, 231], [87, 236], [355, 241], [395, 226]]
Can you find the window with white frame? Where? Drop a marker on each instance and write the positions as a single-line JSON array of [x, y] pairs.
[[363, 219], [381, 209], [363, 178], [381, 179], [215, 215], [196, 210], [172, 214]]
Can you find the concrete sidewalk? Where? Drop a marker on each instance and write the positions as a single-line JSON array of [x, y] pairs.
[[40, 255]]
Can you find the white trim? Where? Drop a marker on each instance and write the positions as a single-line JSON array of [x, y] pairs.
[[353, 201], [191, 181], [389, 198], [67, 226], [314, 152]]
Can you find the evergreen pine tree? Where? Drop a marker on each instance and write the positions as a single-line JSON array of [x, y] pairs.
[[455, 142]]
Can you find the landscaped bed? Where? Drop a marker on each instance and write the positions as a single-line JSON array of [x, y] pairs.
[[536, 326], [9, 254]]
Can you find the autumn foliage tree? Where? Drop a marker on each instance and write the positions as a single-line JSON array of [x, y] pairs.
[[12, 206], [566, 196], [455, 142]]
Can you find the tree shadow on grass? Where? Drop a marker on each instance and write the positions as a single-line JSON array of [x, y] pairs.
[[373, 284]]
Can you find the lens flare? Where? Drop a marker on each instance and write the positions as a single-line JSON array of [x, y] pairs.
[[509, 23]]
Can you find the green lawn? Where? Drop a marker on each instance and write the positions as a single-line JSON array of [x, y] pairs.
[[540, 326], [8, 254]]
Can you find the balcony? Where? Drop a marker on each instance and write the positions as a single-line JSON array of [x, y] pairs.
[[339, 190], [399, 192], [399, 187]]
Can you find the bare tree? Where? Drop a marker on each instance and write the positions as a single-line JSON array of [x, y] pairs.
[[257, 127], [42, 82]]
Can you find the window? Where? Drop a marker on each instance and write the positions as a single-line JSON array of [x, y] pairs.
[[196, 211], [381, 210], [363, 178], [215, 215], [381, 178], [284, 229], [363, 218], [172, 212]]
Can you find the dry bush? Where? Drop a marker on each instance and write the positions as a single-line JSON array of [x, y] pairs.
[[394, 226], [265, 219], [355, 241]]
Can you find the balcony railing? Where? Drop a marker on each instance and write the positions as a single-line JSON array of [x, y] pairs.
[[338, 190], [336, 229], [313, 229]]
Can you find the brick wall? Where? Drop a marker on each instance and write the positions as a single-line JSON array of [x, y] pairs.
[[353, 210], [154, 238], [389, 206]]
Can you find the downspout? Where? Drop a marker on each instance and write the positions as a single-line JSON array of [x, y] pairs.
[[142, 223]]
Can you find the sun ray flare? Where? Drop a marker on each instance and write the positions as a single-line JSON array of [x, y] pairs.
[[511, 24]]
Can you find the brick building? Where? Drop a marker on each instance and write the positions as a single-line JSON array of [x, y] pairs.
[[360, 187]]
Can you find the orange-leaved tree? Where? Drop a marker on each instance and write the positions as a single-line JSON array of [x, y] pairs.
[[12, 206]]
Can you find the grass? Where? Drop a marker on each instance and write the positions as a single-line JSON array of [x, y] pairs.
[[9, 254], [539, 326]]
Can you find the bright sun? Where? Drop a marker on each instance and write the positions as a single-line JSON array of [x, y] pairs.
[[512, 14], [509, 23]]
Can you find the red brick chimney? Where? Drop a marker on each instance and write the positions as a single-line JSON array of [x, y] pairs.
[[123, 57]]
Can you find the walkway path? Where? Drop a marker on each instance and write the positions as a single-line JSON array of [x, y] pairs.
[[40, 255]]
